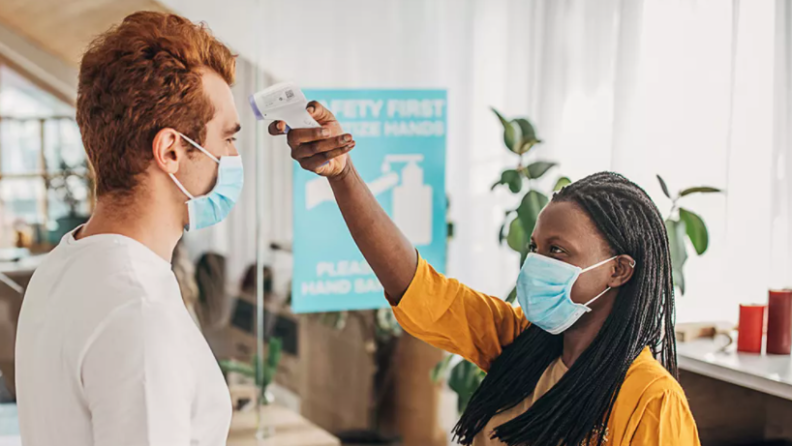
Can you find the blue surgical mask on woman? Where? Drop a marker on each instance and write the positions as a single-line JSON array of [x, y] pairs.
[[212, 208], [544, 290]]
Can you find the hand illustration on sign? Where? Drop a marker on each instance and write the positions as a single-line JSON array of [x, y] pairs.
[[412, 198]]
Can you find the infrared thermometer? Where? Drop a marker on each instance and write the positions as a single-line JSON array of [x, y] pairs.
[[283, 102]]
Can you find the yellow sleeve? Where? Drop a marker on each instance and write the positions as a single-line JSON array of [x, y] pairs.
[[455, 318], [666, 420]]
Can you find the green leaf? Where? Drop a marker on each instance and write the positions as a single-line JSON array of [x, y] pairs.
[[511, 137], [511, 178], [440, 370], [274, 352], [532, 204], [511, 132], [663, 186], [527, 136], [516, 238], [229, 366], [270, 365], [503, 120], [512, 295], [524, 147], [561, 183], [465, 378], [678, 250], [539, 168], [700, 190], [696, 230], [526, 129]]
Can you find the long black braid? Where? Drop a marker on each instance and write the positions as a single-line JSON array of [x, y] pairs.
[[576, 410]]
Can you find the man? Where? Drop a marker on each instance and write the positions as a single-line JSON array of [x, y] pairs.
[[107, 354]]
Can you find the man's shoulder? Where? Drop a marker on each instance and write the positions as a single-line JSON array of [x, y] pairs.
[[102, 275], [98, 257]]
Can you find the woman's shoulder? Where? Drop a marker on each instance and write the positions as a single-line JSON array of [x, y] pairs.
[[647, 379], [651, 401], [651, 407]]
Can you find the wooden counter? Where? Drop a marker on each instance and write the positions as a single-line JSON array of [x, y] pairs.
[[291, 429]]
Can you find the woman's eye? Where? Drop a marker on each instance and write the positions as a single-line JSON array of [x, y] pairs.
[[556, 250], [532, 247], [232, 140]]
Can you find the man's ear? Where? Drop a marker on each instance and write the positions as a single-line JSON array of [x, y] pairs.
[[623, 269], [168, 150]]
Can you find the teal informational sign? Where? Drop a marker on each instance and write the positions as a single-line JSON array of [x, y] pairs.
[[400, 154]]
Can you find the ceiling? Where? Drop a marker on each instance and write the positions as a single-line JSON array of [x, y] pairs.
[[64, 28]]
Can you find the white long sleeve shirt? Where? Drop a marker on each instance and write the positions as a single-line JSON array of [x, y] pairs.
[[107, 354]]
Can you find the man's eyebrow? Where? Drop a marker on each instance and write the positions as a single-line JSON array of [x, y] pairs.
[[233, 129]]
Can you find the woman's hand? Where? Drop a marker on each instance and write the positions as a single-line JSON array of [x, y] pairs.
[[320, 150]]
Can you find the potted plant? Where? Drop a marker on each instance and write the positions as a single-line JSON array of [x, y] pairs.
[[262, 372]]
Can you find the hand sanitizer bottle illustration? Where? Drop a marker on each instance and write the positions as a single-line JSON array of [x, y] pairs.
[[412, 200]]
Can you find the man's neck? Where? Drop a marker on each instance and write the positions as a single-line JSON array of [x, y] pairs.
[[153, 224]]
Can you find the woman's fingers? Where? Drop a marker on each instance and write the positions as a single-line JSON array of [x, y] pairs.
[[295, 137], [277, 128], [310, 149], [315, 162]]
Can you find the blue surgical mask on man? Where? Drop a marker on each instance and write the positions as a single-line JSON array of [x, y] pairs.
[[544, 290], [212, 208]]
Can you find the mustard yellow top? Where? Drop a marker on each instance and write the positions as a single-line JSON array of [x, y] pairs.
[[651, 408]]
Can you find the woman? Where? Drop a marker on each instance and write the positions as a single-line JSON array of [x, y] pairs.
[[576, 363]]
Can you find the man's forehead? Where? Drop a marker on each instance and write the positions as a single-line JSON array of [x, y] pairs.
[[219, 94]]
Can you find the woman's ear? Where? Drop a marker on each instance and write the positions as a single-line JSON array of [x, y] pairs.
[[624, 267]]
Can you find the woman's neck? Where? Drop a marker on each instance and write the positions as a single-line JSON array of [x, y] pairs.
[[578, 338]]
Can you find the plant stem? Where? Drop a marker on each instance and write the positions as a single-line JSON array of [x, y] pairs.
[[673, 207]]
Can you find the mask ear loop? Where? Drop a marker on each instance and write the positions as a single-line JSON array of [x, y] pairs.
[[181, 187], [197, 146], [597, 265], [632, 265], [595, 298]]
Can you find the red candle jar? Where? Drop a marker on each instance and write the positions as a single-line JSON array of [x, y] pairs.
[[779, 322], [749, 336]]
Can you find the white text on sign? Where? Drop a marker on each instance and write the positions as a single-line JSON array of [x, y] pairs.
[[333, 282]]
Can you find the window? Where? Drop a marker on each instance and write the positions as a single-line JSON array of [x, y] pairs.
[[45, 185]]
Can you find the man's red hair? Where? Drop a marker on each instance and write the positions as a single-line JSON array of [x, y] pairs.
[[138, 78]]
